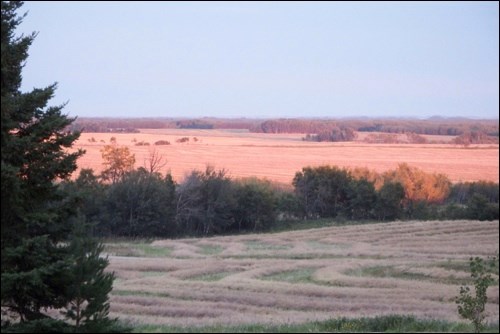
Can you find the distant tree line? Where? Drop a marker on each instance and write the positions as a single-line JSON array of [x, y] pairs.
[[395, 138], [194, 124], [469, 131], [475, 137], [333, 135], [124, 201], [427, 127]]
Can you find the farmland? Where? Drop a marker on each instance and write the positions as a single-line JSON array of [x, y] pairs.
[[278, 156], [365, 270]]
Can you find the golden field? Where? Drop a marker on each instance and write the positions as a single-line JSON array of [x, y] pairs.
[[279, 156], [413, 268]]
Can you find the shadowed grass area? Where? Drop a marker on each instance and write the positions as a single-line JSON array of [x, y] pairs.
[[302, 275], [326, 246], [137, 249], [303, 256], [454, 265], [138, 293], [261, 246], [385, 324], [294, 225], [152, 273], [462, 266], [389, 271], [210, 249], [212, 277]]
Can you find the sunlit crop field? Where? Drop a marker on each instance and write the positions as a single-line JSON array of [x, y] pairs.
[[291, 277], [279, 156]]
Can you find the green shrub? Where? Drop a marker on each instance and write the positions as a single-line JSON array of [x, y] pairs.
[[472, 307]]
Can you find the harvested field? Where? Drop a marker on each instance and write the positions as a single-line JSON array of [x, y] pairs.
[[292, 277], [279, 156]]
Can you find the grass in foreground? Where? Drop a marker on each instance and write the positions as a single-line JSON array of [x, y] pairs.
[[386, 324]]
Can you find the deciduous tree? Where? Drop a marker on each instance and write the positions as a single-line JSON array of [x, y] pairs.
[[472, 307], [255, 204], [140, 204], [205, 202], [322, 191], [117, 161]]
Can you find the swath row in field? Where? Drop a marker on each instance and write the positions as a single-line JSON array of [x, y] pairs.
[[362, 270]]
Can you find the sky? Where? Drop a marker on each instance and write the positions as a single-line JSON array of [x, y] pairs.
[[266, 59]]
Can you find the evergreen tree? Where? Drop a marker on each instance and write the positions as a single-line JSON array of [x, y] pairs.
[[38, 264], [90, 285]]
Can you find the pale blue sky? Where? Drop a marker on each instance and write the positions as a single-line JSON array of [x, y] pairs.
[[267, 59]]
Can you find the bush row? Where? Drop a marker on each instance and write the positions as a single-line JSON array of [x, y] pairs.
[[147, 204]]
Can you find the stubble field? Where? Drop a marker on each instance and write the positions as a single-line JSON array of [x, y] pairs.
[[279, 156], [291, 277]]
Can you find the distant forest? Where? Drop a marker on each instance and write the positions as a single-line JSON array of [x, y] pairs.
[[467, 131]]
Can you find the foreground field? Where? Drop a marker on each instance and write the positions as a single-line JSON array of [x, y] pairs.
[[279, 156], [411, 268]]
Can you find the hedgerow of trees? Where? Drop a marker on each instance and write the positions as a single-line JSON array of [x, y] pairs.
[[143, 203]]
